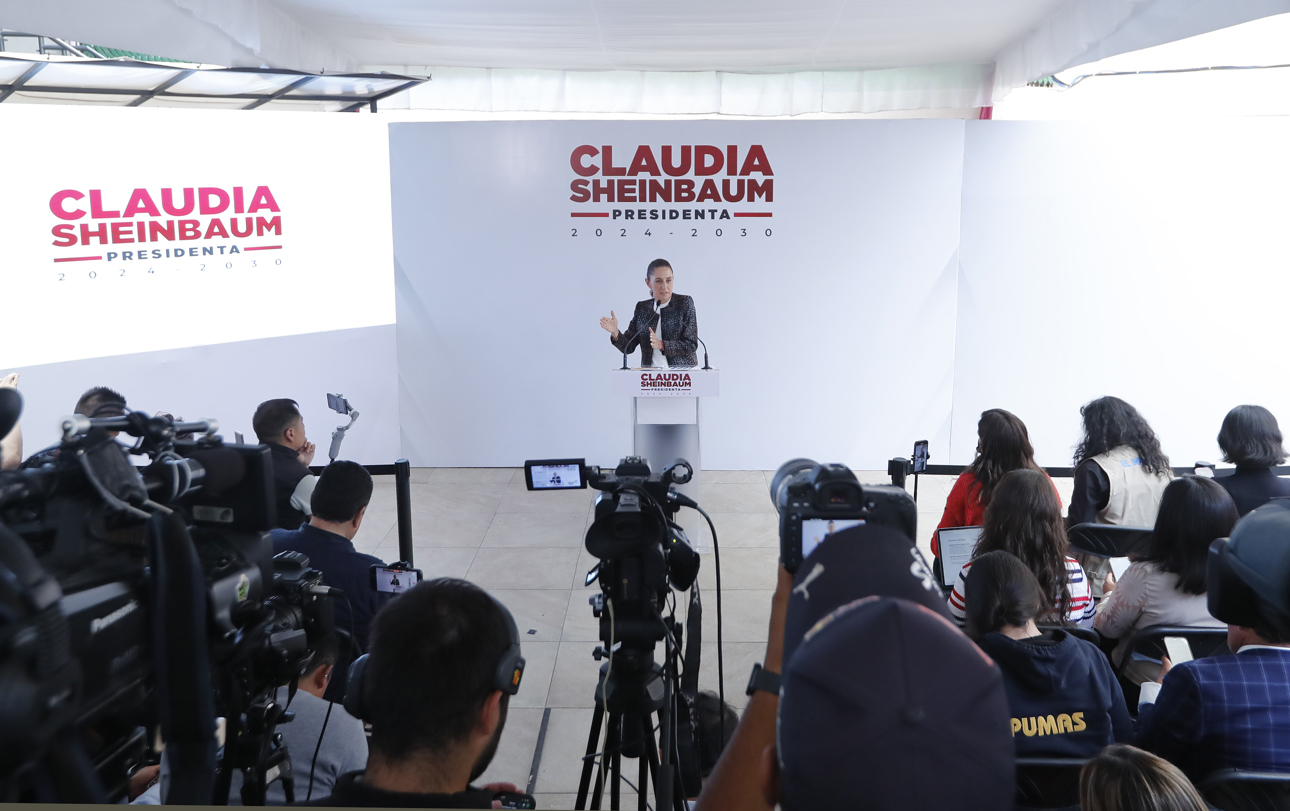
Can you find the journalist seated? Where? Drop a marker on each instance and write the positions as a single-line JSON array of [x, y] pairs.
[[278, 424], [1024, 518], [1233, 711], [445, 661], [1064, 697], [1167, 586], [323, 741], [1251, 439], [339, 502]]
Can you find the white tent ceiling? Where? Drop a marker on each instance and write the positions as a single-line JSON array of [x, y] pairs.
[[933, 44]]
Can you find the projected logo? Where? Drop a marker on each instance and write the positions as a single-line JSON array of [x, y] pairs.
[[154, 226], [668, 190]]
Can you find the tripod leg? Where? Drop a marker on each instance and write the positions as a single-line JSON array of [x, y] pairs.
[[588, 762], [642, 781], [615, 759], [651, 758]]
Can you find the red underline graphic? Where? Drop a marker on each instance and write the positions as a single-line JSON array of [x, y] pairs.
[[589, 214], [264, 248], [77, 258], [753, 214]]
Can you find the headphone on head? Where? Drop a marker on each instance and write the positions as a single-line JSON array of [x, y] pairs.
[[506, 677]]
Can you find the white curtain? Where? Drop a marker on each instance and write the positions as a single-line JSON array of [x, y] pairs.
[[753, 94]]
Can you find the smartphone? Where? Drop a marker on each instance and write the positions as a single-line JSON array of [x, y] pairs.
[[515, 799], [395, 578], [338, 403], [920, 456], [1178, 649], [555, 474]]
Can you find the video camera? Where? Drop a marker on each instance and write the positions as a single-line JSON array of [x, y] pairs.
[[641, 552], [137, 599], [815, 501]]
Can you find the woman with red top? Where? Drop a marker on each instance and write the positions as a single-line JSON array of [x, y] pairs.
[[1002, 446]]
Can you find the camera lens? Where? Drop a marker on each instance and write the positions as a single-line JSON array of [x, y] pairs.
[[787, 473]]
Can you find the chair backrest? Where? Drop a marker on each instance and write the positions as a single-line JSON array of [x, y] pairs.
[[1048, 782], [1109, 540], [1151, 642], [1239, 790], [1086, 634]]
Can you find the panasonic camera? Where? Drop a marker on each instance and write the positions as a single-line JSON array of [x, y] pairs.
[[139, 603]]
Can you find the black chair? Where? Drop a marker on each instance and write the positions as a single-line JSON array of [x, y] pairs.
[[1086, 634], [1239, 790], [1048, 782], [1151, 642], [1109, 540]]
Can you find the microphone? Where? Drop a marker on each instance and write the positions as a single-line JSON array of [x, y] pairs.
[[625, 351], [705, 352], [10, 410]]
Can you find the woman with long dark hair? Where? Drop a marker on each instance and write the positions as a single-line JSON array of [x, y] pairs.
[[1167, 587], [1120, 475], [1251, 440], [1024, 518], [1003, 445], [1063, 695]]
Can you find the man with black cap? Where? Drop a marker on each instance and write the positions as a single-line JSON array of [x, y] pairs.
[[1233, 711], [881, 693]]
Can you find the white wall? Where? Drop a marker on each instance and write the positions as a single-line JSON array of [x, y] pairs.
[[834, 335], [1143, 260]]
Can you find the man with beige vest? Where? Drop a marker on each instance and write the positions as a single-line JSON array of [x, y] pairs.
[[1120, 475]]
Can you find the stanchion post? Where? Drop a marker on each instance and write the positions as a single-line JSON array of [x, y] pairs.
[[403, 504]]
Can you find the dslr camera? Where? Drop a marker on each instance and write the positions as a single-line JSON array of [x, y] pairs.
[[816, 500]]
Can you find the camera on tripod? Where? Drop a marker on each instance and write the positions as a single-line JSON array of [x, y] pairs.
[[815, 501], [144, 598], [642, 554]]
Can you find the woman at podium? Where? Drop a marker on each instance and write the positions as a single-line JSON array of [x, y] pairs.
[[664, 325]]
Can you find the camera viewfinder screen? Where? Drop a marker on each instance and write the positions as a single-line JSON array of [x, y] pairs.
[[396, 581], [562, 475], [815, 530]]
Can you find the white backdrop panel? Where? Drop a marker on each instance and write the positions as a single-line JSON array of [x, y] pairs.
[[500, 354], [1146, 262], [293, 306]]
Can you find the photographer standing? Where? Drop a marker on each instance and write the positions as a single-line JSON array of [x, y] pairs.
[[278, 424], [338, 504]]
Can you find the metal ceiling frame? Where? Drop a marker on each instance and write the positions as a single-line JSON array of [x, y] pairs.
[[25, 84]]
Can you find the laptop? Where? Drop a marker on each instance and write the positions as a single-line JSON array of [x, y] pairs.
[[957, 545]]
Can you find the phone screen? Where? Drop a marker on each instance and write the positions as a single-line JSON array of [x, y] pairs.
[[395, 581], [815, 530], [920, 456], [1178, 648]]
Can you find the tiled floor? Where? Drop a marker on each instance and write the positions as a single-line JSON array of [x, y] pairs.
[[526, 549]]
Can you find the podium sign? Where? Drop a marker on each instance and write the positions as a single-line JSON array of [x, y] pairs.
[[665, 425], [667, 382]]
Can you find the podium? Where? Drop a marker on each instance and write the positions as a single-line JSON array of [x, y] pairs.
[[665, 426]]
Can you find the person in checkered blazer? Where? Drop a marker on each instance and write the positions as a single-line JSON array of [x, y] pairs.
[[1233, 711]]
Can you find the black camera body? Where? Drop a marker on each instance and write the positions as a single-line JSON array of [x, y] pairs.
[[816, 500], [122, 582]]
